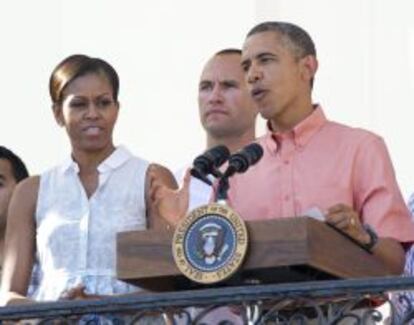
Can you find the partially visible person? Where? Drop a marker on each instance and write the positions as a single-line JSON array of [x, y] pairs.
[[71, 213], [226, 111], [228, 116], [12, 171], [404, 301]]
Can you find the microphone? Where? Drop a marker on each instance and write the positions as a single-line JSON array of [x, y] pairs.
[[208, 162], [243, 159]]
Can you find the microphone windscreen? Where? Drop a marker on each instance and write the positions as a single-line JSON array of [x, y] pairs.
[[211, 159], [254, 152]]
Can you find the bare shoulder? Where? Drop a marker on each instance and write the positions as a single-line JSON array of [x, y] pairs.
[[28, 187], [25, 195]]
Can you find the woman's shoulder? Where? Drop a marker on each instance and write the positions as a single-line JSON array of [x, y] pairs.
[[26, 191], [24, 197], [28, 186]]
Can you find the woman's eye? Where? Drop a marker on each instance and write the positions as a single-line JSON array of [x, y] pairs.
[[78, 104], [104, 102]]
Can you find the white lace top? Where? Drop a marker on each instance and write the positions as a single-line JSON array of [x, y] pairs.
[[76, 236]]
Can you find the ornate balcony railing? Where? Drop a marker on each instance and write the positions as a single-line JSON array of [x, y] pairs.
[[319, 302]]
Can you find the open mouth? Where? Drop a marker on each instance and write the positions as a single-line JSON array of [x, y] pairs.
[[258, 93], [93, 130]]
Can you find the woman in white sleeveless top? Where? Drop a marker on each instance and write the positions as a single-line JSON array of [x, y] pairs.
[[69, 216]]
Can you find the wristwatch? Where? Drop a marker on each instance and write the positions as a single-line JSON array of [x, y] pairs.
[[373, 238]]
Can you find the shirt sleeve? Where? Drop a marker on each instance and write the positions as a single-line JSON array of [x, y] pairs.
[[377, 196], [411, 206]]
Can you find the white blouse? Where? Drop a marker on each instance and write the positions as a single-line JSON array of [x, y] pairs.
[[76, 236]]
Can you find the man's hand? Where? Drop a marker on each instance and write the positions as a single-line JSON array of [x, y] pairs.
[[388, 250], [77, 293], [346, 219], [170, 204]]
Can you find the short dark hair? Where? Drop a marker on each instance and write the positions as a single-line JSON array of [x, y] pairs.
[[18, 167], [302, 43], [76, 66], [229, 51]]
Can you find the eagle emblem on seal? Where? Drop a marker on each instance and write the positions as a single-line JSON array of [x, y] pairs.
[[210, 243]]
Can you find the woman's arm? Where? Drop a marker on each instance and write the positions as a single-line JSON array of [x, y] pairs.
[[19, 243]]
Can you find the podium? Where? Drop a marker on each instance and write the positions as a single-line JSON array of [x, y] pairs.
[[281, 250]]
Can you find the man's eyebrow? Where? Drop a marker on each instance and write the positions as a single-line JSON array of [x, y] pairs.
[[229, 82], [244, 62], [203, 82], [260, 55]]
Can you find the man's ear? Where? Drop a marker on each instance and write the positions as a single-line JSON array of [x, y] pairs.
[[58, 114], [309, 65]]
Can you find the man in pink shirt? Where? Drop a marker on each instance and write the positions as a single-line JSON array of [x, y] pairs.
[[310, 164]]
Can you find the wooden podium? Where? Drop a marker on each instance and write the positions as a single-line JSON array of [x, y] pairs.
[[282, 250]]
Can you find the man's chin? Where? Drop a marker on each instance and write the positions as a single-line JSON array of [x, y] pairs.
[[221, 131], [265, 112], [216, 127]]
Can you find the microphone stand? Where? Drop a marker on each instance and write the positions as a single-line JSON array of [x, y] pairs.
[[222, 189]]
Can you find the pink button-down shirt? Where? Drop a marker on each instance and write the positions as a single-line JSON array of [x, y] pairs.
[[317, 165]]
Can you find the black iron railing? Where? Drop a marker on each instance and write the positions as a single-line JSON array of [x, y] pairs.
[[319, 302]]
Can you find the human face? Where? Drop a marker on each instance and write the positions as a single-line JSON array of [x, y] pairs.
[[88, 112], [278, 81], [7, 185], [225, 106]]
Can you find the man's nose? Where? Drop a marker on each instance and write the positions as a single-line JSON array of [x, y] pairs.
[[216, 94], [254, 74]]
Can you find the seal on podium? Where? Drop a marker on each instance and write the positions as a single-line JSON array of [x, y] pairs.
[[210, 244]]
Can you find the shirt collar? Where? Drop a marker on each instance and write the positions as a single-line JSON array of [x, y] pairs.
[[301, 133], [115, 159]]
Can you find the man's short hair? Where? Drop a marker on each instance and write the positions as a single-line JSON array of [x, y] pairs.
[[302, 43], [229, 51], [299, 41], [18, 167]]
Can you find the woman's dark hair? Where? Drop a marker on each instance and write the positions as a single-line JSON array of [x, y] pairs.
[[18, 167], [78, 65]]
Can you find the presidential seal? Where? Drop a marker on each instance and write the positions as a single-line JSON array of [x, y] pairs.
[[209, 245]]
